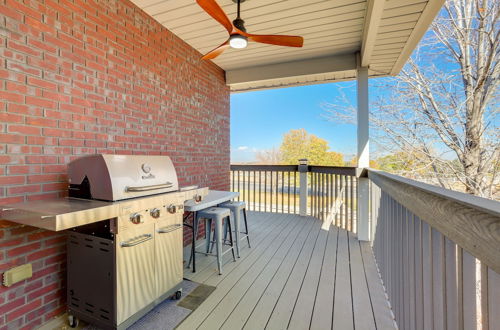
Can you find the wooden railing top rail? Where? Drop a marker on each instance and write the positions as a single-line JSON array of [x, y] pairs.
[[483, 204], [339, 170], [471, 222], [280, 168]]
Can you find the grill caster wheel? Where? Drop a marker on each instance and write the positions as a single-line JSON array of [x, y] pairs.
[[73, 321], [178, 295]]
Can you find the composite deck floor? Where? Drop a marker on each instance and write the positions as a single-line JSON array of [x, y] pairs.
[[296, 275]]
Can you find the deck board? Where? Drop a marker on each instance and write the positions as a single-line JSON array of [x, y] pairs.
[[265, 266], [296, 275], [360, 295], [246, 305], [342, 306], [323, 306], [302, 312]]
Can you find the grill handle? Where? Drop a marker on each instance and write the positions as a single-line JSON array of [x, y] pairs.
[[136, 240], [147, 188], [169, 229]]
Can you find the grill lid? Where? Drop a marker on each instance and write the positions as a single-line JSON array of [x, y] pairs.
[[118, 177]]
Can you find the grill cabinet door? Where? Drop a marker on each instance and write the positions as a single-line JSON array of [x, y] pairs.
[[135, 269], [168, 252]]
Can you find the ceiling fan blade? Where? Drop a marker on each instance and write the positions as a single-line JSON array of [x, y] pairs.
[[216, 52], [290, 41], [214, 10]]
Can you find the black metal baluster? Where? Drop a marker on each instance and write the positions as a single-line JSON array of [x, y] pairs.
[[295, 192], [341, 196], [337, 221], [314, 192], [239, 192], [254, 202], [283, 192], [265, 191], [288, 191], [248, 185], [260, 190], [277, 183], [271, 192]]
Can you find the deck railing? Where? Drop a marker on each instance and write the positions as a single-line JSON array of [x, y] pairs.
[[438, 254], [330, 193], [267, 188], [438, 251]]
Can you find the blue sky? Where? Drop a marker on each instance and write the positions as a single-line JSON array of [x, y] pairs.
[[259, 119]]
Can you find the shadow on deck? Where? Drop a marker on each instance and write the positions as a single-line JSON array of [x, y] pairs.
[[297, 275]]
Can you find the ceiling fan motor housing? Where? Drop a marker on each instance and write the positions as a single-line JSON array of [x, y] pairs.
[[240, 24]]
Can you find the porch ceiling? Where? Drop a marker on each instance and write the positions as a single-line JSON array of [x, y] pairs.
[[338, 36]]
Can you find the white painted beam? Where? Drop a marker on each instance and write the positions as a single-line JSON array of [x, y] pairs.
[[363, 156], [363, 119], [430, 11], [372, 22], [299, 68]]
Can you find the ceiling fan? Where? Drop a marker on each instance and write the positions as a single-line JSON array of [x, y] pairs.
[[238, 37]]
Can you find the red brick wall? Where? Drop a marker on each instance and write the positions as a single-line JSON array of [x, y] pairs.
[[80, 77]]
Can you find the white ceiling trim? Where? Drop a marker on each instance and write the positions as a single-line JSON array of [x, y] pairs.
[[313, 66]]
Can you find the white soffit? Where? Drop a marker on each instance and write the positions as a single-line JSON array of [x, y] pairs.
[[381, 33]]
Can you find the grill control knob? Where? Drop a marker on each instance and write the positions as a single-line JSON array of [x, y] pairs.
[[155, 213], [172, 208], [136, 218]]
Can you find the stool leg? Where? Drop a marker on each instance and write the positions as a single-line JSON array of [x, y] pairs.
[[213, 242], [218, 243], [246, 225], [193, 242], [208, 233], [225, 231], [230, 235], [236, 215]]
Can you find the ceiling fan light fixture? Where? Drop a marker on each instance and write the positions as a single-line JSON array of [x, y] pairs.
[[238, 41]]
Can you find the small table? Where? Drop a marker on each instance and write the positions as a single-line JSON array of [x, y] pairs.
[[214, 198]]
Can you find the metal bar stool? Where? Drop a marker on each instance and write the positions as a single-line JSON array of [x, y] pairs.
[[218, 216], [236, 209]]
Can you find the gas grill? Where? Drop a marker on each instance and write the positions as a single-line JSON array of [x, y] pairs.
[[125, 242]]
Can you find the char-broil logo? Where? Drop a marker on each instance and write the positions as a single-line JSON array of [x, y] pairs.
[[147, 170]]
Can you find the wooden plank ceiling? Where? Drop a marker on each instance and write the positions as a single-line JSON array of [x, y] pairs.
[[380, 34]]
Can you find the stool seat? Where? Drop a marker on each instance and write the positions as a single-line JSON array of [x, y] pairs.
[[234, 206], [238, 207], [213, 212]]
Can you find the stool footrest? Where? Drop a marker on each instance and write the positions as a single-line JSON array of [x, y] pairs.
[[213, 254]]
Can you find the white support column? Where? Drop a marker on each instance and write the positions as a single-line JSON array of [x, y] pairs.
[[363, 156]]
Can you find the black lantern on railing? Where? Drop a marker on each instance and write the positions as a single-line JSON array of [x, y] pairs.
[[303, 167]]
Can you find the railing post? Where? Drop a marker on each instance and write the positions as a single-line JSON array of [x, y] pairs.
[[363, 156], [303, 170]]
